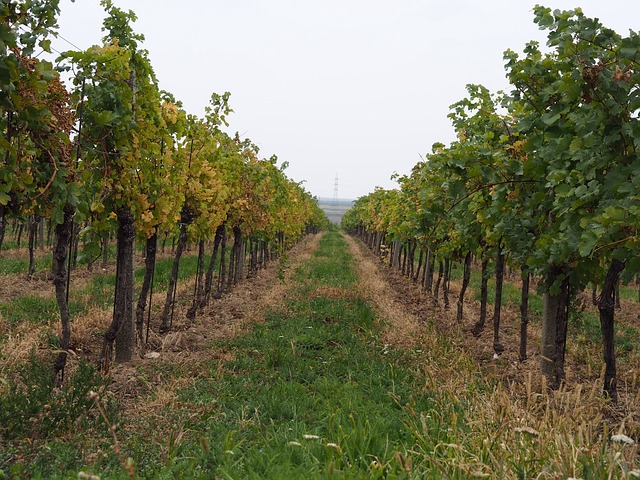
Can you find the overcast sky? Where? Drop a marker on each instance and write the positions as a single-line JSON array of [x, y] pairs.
[[353, 88]]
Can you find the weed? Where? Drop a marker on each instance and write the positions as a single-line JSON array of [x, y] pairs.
[[31, 407]]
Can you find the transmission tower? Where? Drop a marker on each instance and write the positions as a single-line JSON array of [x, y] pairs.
[[335, 191]]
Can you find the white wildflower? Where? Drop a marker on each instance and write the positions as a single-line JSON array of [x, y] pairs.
[[621, 438], [295, 444], [334, 445], [310, 437], [529, 430], [87, 476]]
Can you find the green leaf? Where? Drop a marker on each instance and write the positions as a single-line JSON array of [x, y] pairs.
[[588, 241], [563, 190], [549, 119], [615, 214], [46, 45], [629, 52], [91, 250], [57, 215], [576, 144]]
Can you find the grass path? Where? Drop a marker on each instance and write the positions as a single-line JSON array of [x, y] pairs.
[[327, 376]]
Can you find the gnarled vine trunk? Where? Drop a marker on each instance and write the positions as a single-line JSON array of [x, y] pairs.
[[169, 304], [412, 256], [3, 224], [436, 289], [239, 246], [122, 330], [208, 282], [524, 314], [466, 277], [478, 328], [416, 276], [151, 249], [223, 266], [41, 233], [554, 327], [33, 234], [395, 254], [198, 289], [446, 282], [429, 265], [606, 307], [105, 250], [60, 278], [497, 305]]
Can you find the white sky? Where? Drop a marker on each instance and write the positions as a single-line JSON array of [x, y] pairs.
[[357, 88]]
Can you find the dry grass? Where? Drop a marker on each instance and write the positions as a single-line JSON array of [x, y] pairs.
[[19, 344], [519, 425], [403, 328], [278, 296], [138, 385], [17, 285], [189, 346], [23, 251], [519, 414]]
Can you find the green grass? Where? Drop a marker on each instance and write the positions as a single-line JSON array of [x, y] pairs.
[[188, 267], [32, 411], [21, 265], [302, 374], [10, 244], [33, 309], [330, 265], [630, 292], [101, 287], [587, 326], [315, 370]]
